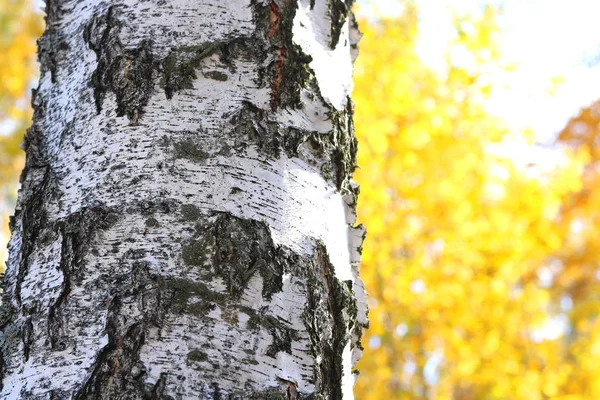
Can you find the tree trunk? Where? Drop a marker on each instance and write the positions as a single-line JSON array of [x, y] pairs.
[[184, 228]]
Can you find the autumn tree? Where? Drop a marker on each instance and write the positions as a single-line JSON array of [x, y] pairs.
[[574, 280], [459, 232], [185, 226]]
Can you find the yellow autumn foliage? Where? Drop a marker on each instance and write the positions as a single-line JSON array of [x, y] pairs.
[[20, 26], [459, 238], [577, 282]]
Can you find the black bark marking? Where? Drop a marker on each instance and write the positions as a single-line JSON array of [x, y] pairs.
[[282, 341], [117, 371], [52, 11], [34, 220], [2, 370], [128, 73], [27, 338], [216, 75], [78, 233], [7, 310], [52, 49], [152, 223], [244, 247], [251, 125], [111, 376], [330, 317], [149, 207], [341, 145], [338, 12], [179, 67], [182, 290]]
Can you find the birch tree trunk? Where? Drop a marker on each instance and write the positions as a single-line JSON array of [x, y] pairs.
[[185, 226]]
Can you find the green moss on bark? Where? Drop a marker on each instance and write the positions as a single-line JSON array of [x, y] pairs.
[[197, 356], [190, 212]]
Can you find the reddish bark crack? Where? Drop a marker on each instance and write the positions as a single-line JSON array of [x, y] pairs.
[[281, 55], [273, 19], [279, 65]]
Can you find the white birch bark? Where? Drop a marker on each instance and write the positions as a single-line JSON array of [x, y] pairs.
[[185, 227]]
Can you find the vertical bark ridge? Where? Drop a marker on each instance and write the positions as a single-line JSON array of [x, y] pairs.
[[185, 226]]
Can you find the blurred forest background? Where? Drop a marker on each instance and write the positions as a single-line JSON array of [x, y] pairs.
[[482, 259]]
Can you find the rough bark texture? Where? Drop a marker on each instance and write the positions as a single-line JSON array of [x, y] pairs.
[[185, 227]]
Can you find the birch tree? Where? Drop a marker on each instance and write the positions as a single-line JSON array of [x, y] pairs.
[[185, 224]]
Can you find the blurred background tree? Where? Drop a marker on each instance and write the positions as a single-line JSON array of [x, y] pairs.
[[473, 267], [20, 26], [482, 268]]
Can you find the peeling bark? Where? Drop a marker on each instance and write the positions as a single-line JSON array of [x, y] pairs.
[[185, 226]]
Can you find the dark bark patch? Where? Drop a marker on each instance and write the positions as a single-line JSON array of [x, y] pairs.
[[149, 207], [330, 317], [199, 252], [273, 394], [341, 145], [78, 234], [282, 335], [287, 391], [252, 125], [182, 290], [152, 223], [235, 249], [52, 11], [337, 148], [128, 73], [338, 12], [2, 370], [156, 391], [117, 371], [7, 313], [33, 143], [293, 75], [111, 376], [36, 190], [216, 75], [282, 341], [289, 73], [190, 150], [27, 338], [243, 248], [179, 67], [52, 49]]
